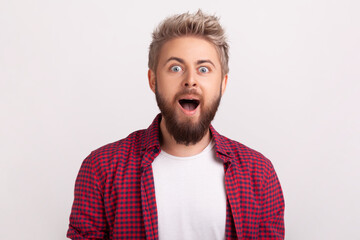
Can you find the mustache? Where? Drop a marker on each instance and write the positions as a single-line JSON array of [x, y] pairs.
[[188, 92]]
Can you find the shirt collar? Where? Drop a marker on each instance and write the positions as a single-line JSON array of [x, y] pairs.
[[151, 139], [222, 145], [152, 134]]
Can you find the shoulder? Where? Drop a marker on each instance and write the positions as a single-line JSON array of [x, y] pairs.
[[112, 156], [122, 146], [247, 157]]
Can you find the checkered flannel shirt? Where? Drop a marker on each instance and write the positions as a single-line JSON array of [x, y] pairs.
[[115, 195]]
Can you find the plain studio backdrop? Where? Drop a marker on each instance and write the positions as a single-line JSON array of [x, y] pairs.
[[73, 77]]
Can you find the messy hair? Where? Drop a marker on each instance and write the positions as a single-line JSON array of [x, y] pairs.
[[198, 25]]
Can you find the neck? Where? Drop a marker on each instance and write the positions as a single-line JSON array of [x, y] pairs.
[[170, 145]]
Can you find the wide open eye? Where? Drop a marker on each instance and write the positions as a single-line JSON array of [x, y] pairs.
[[176, 68], [203, 69]]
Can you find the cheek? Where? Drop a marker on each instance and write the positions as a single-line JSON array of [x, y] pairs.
[[212, 90], [166, 90], [167, 84]]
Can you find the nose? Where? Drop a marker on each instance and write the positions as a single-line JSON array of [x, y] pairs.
[[189, 80]]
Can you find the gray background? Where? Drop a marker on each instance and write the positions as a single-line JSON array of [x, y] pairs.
[[73, 77]]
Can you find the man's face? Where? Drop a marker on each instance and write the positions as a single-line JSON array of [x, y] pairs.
[[188, 85]]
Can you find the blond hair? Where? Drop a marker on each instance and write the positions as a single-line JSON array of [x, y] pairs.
[[199, 25]]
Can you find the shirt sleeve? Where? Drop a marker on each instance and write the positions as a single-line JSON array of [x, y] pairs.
[[272, 216], [87, 218]]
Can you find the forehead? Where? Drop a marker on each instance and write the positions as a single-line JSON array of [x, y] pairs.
[[190, 49]]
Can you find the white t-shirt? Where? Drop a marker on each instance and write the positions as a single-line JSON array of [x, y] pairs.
[[190, 196]]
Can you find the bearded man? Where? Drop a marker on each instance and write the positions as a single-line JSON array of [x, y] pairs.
[[180, 179]]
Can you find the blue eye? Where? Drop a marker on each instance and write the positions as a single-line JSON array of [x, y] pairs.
[[203, 69], [176, 68]]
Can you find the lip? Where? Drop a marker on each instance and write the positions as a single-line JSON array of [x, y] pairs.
[[189, 96], [189, 112]]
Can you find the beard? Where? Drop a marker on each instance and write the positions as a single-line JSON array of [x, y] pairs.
[[187, 132]]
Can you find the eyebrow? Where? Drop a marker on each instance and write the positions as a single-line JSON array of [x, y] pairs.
[[182, 61], [205, 61], [174, 58]]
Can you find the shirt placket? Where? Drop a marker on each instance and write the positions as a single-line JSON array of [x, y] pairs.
[[234, 196], [148, 196], [233, 207]]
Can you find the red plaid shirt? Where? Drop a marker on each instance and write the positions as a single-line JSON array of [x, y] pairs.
[[115, 194]]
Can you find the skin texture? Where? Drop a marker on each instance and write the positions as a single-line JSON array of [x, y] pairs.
[[189, 67]]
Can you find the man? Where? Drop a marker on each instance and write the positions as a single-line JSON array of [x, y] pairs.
[[180, 179]]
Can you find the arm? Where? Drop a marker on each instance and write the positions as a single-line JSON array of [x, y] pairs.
[[272, 215], [87, 218]]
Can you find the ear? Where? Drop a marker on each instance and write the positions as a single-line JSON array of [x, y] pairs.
[[152, 78], [224, 84]]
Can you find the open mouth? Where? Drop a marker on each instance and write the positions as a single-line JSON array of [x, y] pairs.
[[189, 104]]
